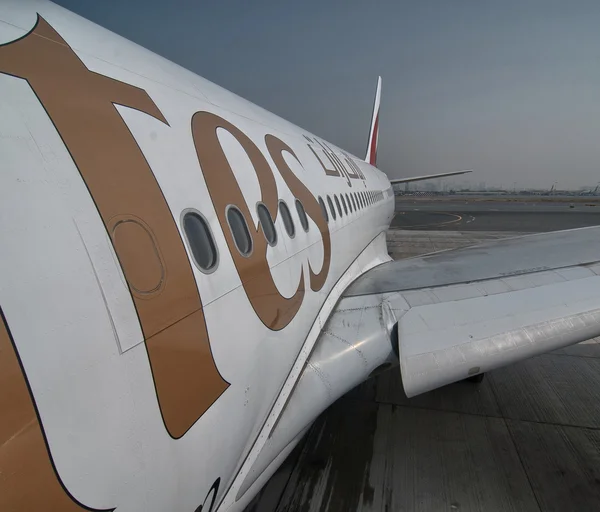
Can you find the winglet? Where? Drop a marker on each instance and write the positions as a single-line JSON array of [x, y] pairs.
[[371, 157]]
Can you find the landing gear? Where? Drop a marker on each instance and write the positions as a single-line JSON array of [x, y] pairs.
[[476, 379]]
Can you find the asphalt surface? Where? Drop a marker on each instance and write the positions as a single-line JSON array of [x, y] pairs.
[[526, 439], [476, 215]]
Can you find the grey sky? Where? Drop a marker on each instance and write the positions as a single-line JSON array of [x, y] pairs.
[[510, 89]]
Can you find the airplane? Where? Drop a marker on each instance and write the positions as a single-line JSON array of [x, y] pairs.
[[187, 280]]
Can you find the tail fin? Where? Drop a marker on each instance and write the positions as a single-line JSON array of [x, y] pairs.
[[371, 157]]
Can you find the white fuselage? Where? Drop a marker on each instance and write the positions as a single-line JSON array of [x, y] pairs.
[[90, 249]]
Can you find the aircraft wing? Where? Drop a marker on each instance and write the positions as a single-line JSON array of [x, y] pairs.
[[395, 181], [467, 311], [449, 315]]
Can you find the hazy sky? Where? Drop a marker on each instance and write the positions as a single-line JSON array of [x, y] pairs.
[[509, 88]]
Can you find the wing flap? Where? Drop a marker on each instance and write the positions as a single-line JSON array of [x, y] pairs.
[[448, 341], [467, 311]]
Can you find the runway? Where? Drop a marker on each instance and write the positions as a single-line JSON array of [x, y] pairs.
[[488, 215], [526, 439]]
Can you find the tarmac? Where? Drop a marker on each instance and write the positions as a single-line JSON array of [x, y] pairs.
[[526, 439], [525, 216]]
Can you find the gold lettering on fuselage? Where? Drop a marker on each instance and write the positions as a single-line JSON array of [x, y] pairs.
[[81, 104], [329, 171], [28, 480], [274, 310], [335, 158], [354, 171], [276, 148], [145, 237], [349, 171]]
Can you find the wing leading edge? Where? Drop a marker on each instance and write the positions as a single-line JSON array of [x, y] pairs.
[[468, 311], [395, 181]]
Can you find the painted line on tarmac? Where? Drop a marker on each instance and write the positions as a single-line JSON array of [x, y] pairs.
[[458, 219]]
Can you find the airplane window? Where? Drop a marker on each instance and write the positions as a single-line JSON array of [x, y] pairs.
[[302, 215], [287, 219], [362, 199], [266, 221], [200, 241], [331, 208], [349, 201], [337, 203], [239, 230], [353, 197], [344, 204], [323, 209]]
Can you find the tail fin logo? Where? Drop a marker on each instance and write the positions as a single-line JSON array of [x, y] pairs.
[[371, 157]]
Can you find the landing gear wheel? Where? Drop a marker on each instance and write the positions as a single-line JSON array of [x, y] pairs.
[[476, 379]]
